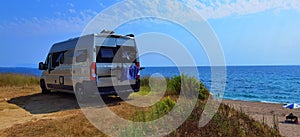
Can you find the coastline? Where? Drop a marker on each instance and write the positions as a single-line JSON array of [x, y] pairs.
[[265, 112]]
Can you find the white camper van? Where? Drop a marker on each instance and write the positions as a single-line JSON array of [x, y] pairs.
[[106, 62]]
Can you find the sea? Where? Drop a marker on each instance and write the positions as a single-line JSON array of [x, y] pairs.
[[271, 84]]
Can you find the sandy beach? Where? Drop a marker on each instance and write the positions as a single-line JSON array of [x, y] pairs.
[[264, 112]]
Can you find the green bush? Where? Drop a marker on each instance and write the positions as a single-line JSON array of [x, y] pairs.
[[184, 84], [144, 81], [175, 84], [203, 92], [189, 86], [162, 107], [158, 110]]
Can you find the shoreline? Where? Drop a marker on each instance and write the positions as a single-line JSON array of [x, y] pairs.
[[265, 113]]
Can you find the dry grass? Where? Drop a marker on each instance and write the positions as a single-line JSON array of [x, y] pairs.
[[18, 80], [226, 122], [74, 125], [7, 93], [15, 85], [5, 105]]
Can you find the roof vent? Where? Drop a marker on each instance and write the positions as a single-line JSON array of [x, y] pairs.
[[107, 31]]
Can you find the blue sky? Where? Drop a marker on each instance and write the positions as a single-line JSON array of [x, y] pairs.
[[251, 32]]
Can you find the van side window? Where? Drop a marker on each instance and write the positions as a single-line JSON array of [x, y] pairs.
[[61, 58], [49, 61], [68, 57], [81, 55], [57, 58]]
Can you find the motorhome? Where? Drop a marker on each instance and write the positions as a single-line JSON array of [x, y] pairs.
[[105, 61]]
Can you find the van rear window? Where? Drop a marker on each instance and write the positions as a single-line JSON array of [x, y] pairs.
[[107, 53], [118, 54], [125, 42], [113, 42]]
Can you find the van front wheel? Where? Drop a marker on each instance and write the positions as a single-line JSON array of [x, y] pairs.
[[43, 87]]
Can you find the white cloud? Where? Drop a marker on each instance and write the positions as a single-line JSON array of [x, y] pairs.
[[46, 25], [70, 4], [208, 10], [75, 22], [72, 11], [101, 4], [221, 9], [133, 9]]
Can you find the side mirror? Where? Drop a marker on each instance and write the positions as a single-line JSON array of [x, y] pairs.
[[42, 66]]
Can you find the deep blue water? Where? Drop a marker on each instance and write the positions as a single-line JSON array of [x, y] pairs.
[[21, 70], [276, 84]]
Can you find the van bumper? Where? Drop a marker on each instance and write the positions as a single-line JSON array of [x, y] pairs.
[[91, 88]]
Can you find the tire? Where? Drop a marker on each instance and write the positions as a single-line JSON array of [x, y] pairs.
[[124, 95], [79, 92], [43, 87]]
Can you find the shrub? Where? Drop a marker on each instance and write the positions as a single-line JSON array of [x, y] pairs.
[[144, 81], [162, 107], [175, 84], [189, 86]]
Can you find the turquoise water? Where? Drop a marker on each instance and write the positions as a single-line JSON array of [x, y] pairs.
[[275, 84]]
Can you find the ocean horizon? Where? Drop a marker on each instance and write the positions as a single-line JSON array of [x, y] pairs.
[[270, 84]]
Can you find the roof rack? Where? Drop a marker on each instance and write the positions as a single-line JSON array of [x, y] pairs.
[[107, 31], [130, 35]]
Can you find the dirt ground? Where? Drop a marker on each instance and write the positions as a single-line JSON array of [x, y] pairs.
[[264, 112], [20, 105]]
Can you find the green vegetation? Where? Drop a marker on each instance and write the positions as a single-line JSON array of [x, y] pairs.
[[189, 86], [226, 122], [18, 80], [155, 112], [177, 84], [162, 107], [144, 91]]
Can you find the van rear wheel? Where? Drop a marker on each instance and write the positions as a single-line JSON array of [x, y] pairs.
[[79, 92], [43, 87], [124, 95]]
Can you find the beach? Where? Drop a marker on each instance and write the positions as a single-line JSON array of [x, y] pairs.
[[264, 112]]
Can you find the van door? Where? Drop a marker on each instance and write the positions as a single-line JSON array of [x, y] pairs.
[[114, 64], [53, 79]]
